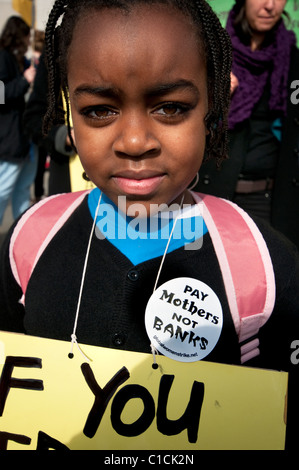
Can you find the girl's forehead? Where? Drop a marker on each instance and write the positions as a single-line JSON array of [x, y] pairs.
[[160, 22], [158, 35]]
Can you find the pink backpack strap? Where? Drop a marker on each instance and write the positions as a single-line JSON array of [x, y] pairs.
[[242, 253], [246, 268], [35, 230]]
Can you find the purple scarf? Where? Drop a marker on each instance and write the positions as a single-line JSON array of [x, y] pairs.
[[253, 70]]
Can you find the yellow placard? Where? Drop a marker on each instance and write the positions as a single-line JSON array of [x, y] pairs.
[[78, 183], [119, 401]]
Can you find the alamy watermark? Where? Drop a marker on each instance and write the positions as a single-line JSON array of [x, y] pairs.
[[136, 224], [295, 94], [2, 92], [295, 354]]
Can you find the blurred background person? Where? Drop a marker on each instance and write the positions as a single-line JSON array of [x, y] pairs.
[[56, 143], [39, 148], [37, 46], [17, 165], [262, 172]]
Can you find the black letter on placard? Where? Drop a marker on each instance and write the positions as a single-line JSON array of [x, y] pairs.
[[189, 420], [7, 436], [119, 402], [46, 442], [7, 382], [102, 396]]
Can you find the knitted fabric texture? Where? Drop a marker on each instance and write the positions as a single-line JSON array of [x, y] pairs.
[[256, 69]]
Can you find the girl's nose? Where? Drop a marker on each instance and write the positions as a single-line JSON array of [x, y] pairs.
[[135, 137]]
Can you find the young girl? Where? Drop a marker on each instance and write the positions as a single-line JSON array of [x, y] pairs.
[[148, 85]]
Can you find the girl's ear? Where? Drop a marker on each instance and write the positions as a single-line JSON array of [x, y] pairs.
[[73, 136]]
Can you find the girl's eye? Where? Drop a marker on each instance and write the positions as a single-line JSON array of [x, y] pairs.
[[171, 110], [99, 113]]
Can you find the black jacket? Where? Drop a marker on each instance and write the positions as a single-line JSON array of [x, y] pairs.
[[285, 206], [116, 293], [14, 146]]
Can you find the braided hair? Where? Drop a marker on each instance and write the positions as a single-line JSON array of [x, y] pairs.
[[216, 48]]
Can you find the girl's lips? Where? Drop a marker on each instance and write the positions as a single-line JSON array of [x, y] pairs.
[[140, 186]]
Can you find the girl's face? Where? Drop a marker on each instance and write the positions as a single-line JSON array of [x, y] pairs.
[[138, 93], [262, 15]]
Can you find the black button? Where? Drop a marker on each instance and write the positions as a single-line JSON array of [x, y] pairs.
[[206, 179], [118, 339], [133, 275]]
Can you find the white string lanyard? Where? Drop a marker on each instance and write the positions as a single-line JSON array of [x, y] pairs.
[[73, 336], [153, 349], [171, 233]]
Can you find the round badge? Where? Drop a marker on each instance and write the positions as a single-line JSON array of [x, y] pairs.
[[183, 319]]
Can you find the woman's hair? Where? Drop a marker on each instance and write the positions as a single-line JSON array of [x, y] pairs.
[[13, 36], [243, 28], [216, 48]]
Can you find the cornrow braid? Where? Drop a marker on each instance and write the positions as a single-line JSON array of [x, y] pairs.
[[216, 49], [219, 58], [54, 112]]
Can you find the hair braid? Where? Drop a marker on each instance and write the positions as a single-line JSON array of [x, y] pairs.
[[54, 112], [219, 58]]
